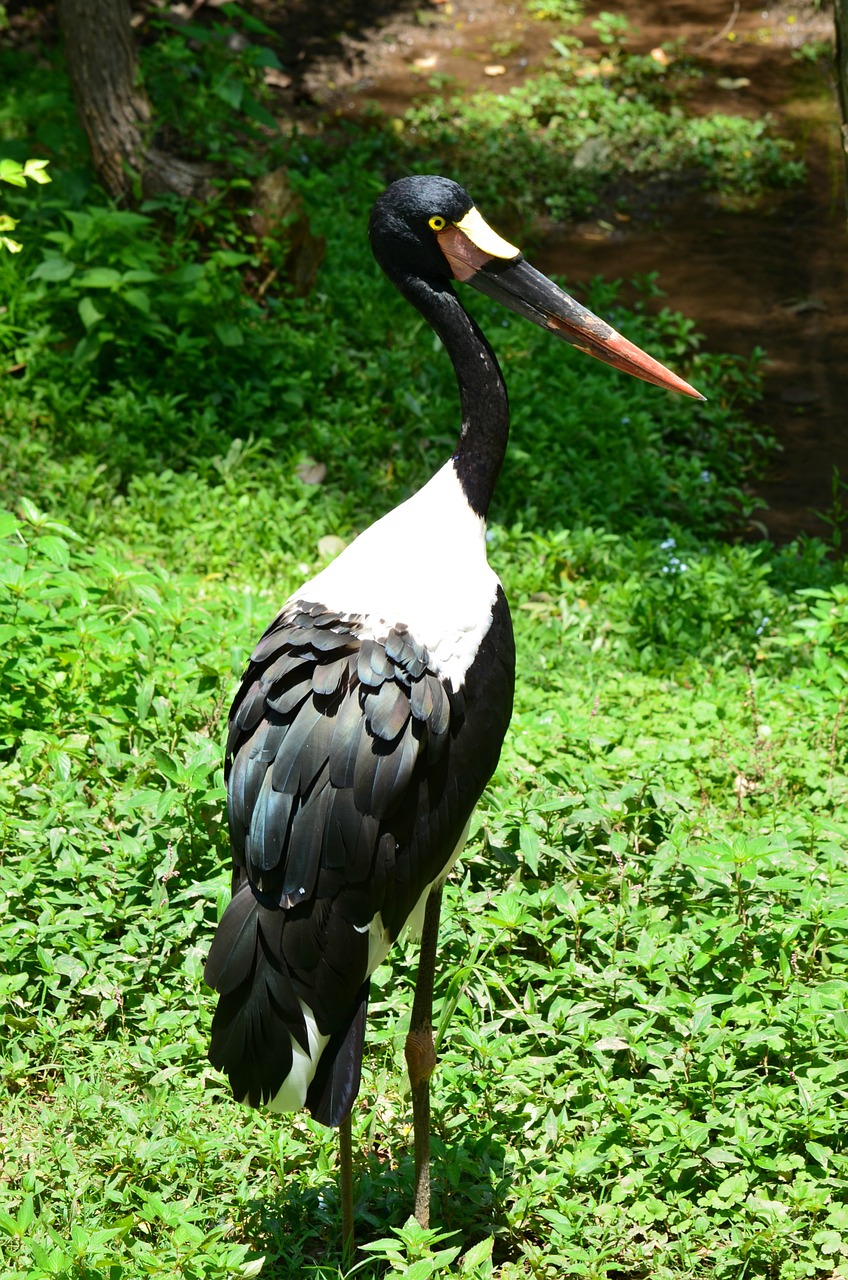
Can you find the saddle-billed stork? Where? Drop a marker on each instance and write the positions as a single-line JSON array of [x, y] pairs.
[[372, 713]]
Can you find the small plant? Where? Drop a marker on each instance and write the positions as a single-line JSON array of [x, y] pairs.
[[813, 51], [836, 516], [16, 175], [566, 12], [612, 30], [209, 88]]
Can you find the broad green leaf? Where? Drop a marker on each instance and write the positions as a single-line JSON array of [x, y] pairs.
[[721, 1155], [420, 1270], [11, 172], [31, 512], [823, 1155], [477, 1254], [8, 524], [529, 843], [138, 298], [88, 312], [229, 334], [53, 269], [35, 169], [100, 278]]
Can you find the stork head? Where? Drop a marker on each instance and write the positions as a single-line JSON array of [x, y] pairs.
[[429, 228]]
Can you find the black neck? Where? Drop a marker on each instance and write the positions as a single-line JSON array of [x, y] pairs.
[[485, 409]]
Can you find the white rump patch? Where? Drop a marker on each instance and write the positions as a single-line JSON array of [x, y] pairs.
[[415, 922], [292, 1094], [379, 942]]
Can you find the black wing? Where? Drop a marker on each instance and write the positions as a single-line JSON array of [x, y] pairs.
[[352, 769]]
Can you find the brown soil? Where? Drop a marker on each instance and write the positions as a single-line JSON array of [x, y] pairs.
[[775, 276]]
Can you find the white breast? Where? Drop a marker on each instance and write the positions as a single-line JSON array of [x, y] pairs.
[[424, 564]]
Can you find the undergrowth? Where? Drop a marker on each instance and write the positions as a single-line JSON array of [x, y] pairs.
[[593, 122], [643, 980]]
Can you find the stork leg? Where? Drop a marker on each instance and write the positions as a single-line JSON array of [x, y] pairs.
[[346, 1189], [421, 1056]]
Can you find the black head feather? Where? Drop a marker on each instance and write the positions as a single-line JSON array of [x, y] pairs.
[[402, 240]]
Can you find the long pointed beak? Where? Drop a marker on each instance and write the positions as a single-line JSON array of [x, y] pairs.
[[520, 287], [479, 256]]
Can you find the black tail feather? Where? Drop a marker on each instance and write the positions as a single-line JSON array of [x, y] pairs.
[[258, 1012], [333, 1091]]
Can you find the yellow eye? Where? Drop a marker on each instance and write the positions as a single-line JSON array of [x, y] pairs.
[[438, 223]]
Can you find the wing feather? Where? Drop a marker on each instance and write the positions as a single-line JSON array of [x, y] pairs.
[[367, 667], [393, 773], [277, 637], [289, 699], [327, 677], [269, 828], [387, 710], [421, 698], [306, 838], [347, 731], [298, 759]]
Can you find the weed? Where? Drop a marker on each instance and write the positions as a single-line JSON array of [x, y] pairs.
[[566, 12], [17, 174], [836, 516]]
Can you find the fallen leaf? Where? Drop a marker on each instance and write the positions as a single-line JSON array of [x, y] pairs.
[[804, 305], [311, 472], [330, 545], [591, 154], [741, 82], [275, 78]]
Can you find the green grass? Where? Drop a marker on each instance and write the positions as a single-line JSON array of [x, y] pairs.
[[643, 985]]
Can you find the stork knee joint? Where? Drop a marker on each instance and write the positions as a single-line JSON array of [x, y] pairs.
[[420, 1056]]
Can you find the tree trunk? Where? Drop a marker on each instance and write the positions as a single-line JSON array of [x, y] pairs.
[[840, 14], [113, 108]]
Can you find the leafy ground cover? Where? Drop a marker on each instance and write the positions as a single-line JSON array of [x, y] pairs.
[[643, 993], [589, 122]]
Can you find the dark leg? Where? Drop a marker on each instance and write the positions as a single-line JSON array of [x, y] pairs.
[[346, 1190], [421, 1056]]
